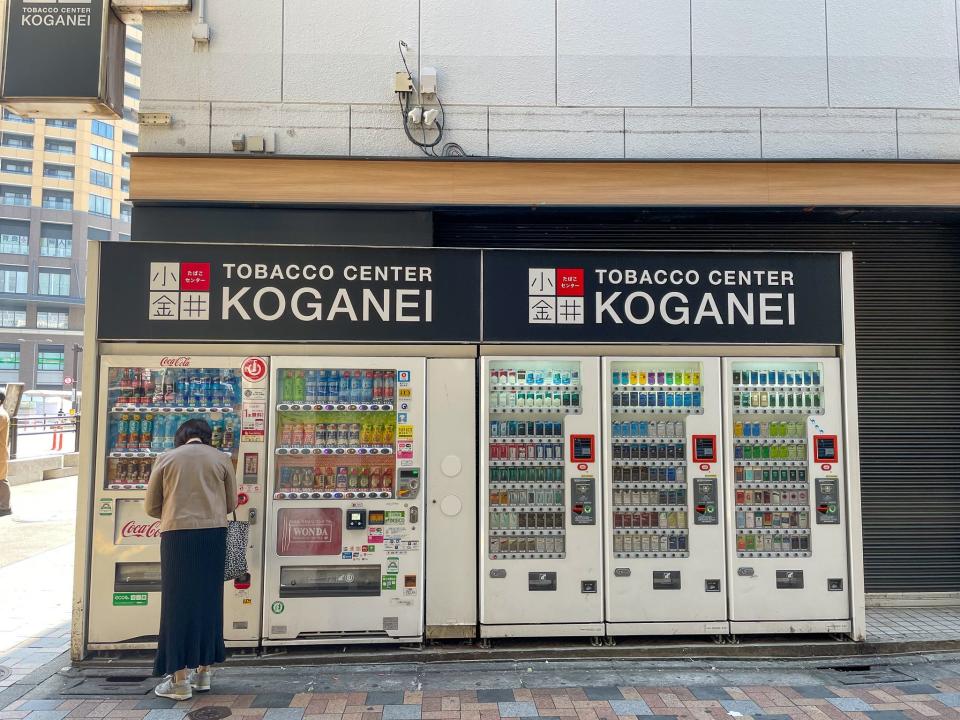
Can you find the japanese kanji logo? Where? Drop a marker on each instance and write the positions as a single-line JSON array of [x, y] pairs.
[[555, 296], [179, 291]]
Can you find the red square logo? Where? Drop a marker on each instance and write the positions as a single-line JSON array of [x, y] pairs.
[[195, 276], [570, 282]]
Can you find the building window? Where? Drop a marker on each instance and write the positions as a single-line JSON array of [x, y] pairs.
[[104, 130], [130, 139], [15, 195], [132, 68], [13, 316], [50, 362], [13, 117], [94, 233], [126, 211], [100, 205], [64, 147], [130, 114], [125, 161], [14, 244], [13, 140], [18, 167], [123, 238], [56, 240], [105, 155], [103, 179], [134, 46], [63, 124], [58, 199], [131, 92], [13, 279], [125, 186], [58, 172], [54, 282], [53, 319], [9, 363]]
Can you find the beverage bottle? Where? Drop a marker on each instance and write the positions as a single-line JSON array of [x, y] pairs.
[[343, 435], [389, 386], [333, 387], [344, 387], [356, 387], [323, 385], [378, 387], [375, 479], [299, 387], [342, 479], [133, 439], [354, 435], [208, 387], [320, 435], [366, 394], [123, 385], [363, 481], [310, 388], [386, 479], [216, 439], [296, 435], [146, 432]]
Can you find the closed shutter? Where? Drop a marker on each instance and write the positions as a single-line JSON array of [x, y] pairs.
[[907, 281]]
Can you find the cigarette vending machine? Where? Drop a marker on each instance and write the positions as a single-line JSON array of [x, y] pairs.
[[142, 401], [664, 527], [541, 548], [344, 541], [787, 537]]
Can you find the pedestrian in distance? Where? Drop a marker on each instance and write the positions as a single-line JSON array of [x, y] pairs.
[[192, 489], [4, 457]]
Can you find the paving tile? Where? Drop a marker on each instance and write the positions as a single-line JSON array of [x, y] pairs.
[[949, 699], [401, 712], [495, 696], [707, 692], [776, 717], [169, 714], [850, 704], [603, 693], [41, 705], [917, 689], [151, 703], [744, 707], [273, 700], [516, 709], [886, 715], [385, 697], [284, 713], [47, 714], [630, 707]]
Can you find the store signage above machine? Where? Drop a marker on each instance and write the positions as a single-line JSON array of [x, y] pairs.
[[562, 296], [361, 294]]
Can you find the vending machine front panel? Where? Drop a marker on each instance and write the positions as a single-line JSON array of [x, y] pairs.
[[346, 562], [664, 531], [541, 549], [142, 402], [787, 543]]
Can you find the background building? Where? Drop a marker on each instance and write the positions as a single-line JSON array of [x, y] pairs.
[[62, 182]]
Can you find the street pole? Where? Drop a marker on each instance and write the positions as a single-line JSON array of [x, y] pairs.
[[77, 349]]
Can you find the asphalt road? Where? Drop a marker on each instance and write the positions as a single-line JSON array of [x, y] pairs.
[[43, 519]]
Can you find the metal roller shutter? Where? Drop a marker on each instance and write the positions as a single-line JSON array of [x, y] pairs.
[[908, 345]]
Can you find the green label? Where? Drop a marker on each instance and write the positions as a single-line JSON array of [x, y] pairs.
[[277, 607], [127, 599], [393, 566], [388, 582], [106, 506], [393, 517]]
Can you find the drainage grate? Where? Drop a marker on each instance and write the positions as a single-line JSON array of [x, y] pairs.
[[867, 674], [111, 685], [4, 672], [211, 712]]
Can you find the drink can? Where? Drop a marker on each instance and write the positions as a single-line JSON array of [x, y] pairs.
[[668, 379], [696, 398], [781, 377], [754, 377], [807, 377], [763, 377]]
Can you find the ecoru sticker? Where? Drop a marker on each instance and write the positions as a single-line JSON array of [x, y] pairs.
[[277, 608], [129, 599], [388, 582]]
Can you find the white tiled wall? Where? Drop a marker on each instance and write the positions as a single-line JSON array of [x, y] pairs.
[[715, 79]]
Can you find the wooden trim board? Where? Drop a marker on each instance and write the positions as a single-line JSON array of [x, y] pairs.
[[432, 183]]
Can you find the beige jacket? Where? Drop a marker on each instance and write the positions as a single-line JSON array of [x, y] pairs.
[[4, 442], [192, 487]]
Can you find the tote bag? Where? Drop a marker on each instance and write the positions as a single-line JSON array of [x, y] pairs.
[[238, 534]]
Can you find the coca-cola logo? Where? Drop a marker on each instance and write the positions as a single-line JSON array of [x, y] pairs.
[[140, 530], [181, 361]]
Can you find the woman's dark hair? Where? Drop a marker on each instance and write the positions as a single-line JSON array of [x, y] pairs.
[[191, 429]]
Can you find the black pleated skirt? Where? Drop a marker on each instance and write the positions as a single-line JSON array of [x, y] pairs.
[[191, 603]]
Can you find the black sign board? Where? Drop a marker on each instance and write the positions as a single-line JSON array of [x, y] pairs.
[[63, 55], [651, 297], [155, 291]]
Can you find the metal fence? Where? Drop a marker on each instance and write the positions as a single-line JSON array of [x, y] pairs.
[[55, 426]]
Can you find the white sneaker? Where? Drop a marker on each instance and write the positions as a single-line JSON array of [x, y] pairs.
[[200, 681], [175, 691]]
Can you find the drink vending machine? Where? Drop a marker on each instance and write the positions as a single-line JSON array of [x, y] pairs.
[[541, 546], [344, 549], [664, 516], [787, 538], [143, 400]]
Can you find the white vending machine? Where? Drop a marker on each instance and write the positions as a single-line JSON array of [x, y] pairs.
[[142, 401], [788, 568], [541, 548], [664, 521], [344, 547]]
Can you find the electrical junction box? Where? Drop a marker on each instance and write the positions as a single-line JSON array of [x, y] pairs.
[[402, 82], [428, 81]]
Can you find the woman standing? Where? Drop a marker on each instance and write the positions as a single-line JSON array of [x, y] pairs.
[[192, 489]]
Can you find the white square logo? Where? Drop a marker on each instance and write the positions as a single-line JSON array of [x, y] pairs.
[[195, 306], [543, 310], [165, 276], [541, 281], [164, 306], [569, 311]]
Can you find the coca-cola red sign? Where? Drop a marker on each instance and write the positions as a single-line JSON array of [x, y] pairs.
[[309, 531], [141, 530], [181, 361]]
